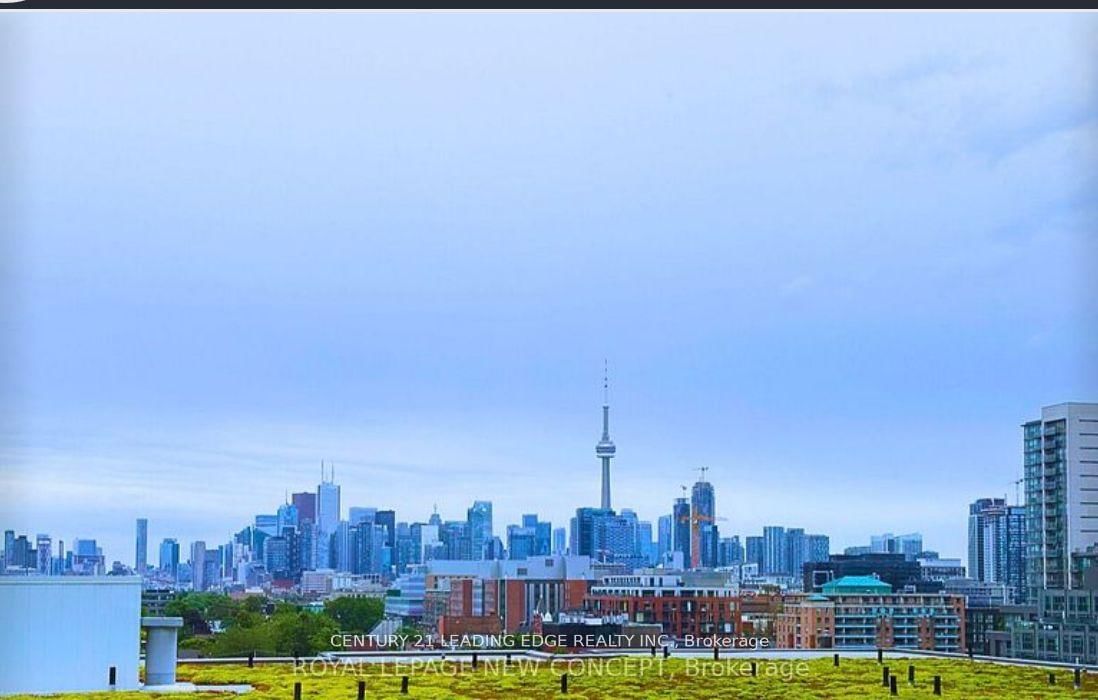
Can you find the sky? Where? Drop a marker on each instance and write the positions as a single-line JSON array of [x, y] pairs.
[[836, 259]]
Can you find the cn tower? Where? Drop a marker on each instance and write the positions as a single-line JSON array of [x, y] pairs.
[[605, 449]]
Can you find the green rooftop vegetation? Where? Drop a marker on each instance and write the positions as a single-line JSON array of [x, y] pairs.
[[793, 679]]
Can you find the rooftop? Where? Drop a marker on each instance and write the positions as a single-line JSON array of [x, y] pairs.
[[856, 584]]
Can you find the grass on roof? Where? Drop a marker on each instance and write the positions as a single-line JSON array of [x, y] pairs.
[[635, 677]]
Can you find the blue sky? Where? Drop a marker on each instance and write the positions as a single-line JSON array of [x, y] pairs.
[[837, 259]]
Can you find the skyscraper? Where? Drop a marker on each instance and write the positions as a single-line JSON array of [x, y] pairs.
[[479, 519], [996, 544], [1061, 479], [44, 546], [327, 516], [169, 556], [493, 549], [584, 535], [784, 551], [277, 558], [774, 551], [305, 502], [753, 550], [731, 551], [663, 537], [369, 548], [87, 557], [387, 519], [616, 539], [425, 537], [267, 523], [531, 539], [9, 548], [22, 555], [703, 535], [520, 542], [360, 514], [796, 551], [817, 548], [680, 533], [405, 550], [198, 565], [543, 533], [645, 547], [605, 449], [910, 545], [560, 536], [141, 556], [454, 535], [286, 517], [306, 545], [327, 502], [342, 547]]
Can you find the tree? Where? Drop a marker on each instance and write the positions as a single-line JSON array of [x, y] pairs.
[[199, 609], [355, 615], [240, 640], [253, 604], [301, 633]]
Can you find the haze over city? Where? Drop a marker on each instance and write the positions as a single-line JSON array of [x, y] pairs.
[[243, 244]]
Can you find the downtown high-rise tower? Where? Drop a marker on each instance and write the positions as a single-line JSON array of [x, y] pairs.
[[1061, 481]]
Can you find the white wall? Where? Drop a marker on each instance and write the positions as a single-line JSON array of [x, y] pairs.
[[1082, 455], [64, 633]]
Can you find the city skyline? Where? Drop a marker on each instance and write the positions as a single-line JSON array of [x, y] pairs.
[[825, 278], [327, 510], [329, 520]]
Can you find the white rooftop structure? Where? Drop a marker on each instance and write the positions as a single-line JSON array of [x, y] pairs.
[[66, 633]]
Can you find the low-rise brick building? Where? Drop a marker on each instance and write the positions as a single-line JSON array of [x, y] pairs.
[[862, 612], [683, 603], [513, 591]]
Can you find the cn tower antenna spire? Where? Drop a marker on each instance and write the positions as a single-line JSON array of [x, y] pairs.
[[605, 448], [605, 383]]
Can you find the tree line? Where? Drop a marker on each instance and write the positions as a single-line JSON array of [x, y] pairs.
[[217, 625]]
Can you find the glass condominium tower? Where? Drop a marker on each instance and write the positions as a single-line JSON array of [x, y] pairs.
[[1061, 482]]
